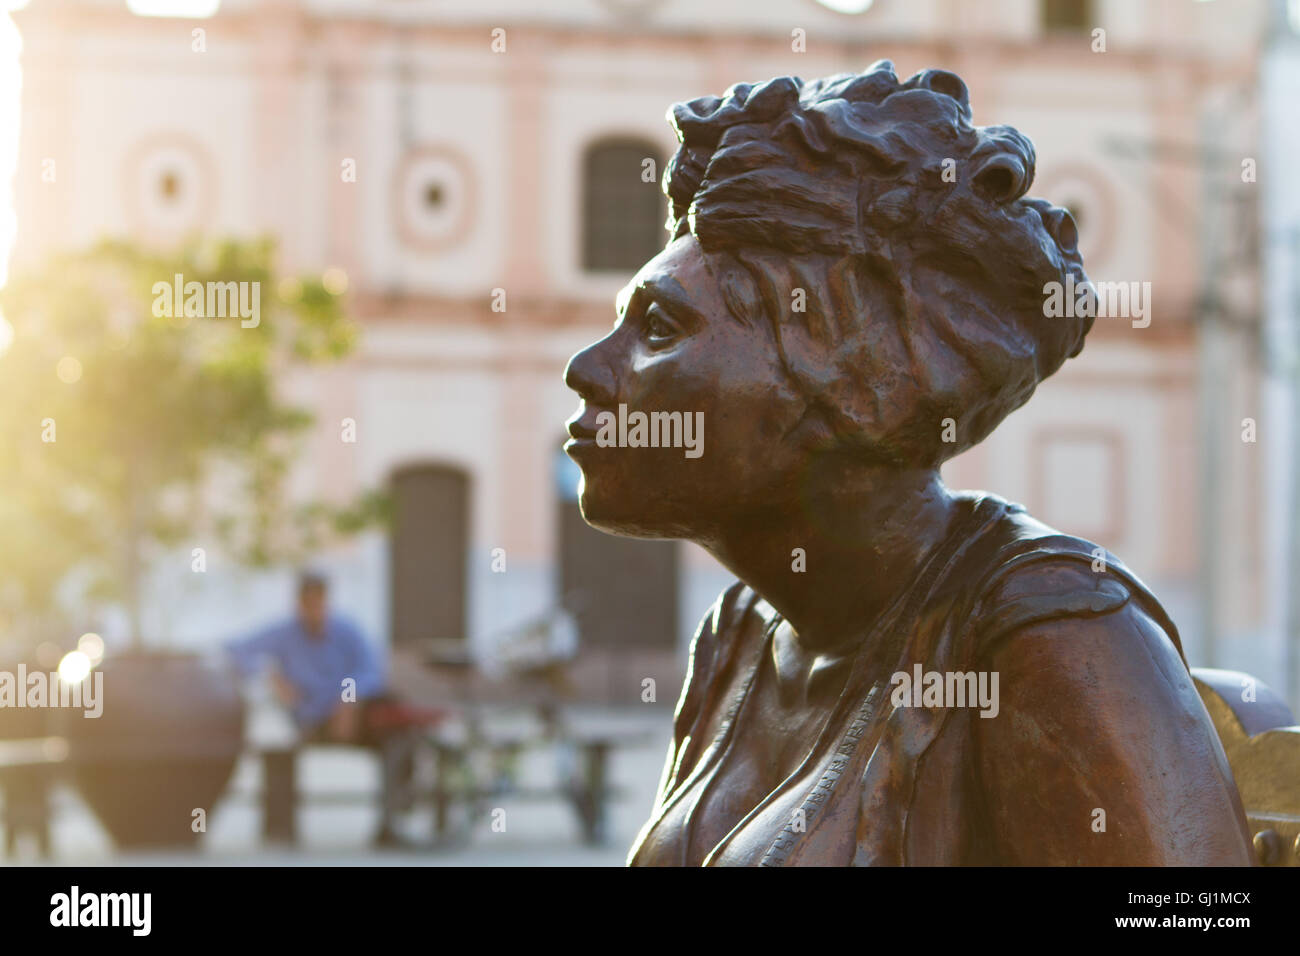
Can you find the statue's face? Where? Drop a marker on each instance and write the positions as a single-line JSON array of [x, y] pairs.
[[675, 348]]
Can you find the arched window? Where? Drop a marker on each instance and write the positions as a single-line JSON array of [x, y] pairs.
[[623, 209]]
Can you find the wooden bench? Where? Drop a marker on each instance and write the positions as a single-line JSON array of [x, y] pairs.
[[523, 681], [587, 790], [28, 768], [458, 781]]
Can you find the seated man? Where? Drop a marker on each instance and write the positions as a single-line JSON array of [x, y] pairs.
[[334, 683]]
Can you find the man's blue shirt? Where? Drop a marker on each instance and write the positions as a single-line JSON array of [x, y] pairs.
[[316, 665]]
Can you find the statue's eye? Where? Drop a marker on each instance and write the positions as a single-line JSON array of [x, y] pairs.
[[659, 329]]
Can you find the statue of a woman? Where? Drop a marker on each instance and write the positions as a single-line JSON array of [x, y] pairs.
[[854, 292]]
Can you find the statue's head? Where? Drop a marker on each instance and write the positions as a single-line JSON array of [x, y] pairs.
[[853, 277]]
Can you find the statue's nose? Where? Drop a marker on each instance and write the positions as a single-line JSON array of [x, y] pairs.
[[590, 375]]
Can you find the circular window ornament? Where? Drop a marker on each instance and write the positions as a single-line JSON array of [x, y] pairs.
[[434, 198], [169, 186]]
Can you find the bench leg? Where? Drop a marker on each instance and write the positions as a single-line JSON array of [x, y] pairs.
[[280, 796], [591, 800], [448, 764], [27, 807], [397, 793]]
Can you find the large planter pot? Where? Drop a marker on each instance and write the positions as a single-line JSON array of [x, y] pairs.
[[166, 744]]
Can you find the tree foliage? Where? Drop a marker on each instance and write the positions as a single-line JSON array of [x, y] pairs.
[[165, 428]]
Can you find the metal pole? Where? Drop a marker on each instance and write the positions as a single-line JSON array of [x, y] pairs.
[[1211, 346], [1291, 375]]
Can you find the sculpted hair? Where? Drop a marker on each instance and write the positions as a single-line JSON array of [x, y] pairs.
[[902, 231]]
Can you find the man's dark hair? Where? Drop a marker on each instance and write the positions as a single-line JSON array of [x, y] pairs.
[[312, 581]]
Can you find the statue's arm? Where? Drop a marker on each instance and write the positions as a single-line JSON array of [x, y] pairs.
[[1102, 753]]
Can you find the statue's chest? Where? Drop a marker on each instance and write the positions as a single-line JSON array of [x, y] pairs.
[[733, 827], [759, 766], [768, 772]]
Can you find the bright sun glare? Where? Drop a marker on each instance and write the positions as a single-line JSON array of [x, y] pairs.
[[74, 668], [10, 83], [10, 91]]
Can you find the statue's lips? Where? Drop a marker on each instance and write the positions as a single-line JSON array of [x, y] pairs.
[[582, 432], [579, 448], [583, 428]]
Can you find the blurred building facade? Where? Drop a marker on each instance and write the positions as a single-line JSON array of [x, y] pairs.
[[499, 149]]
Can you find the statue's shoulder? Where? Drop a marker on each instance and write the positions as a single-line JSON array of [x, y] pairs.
[[724, 626], [1028, 573], [718, 646]]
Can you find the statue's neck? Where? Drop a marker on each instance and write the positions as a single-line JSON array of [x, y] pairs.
[[836, 558]]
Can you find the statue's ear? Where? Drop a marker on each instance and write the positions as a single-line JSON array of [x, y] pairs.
[[1001, 178]]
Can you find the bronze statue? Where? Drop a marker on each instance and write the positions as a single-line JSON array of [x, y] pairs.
[[853, 292]]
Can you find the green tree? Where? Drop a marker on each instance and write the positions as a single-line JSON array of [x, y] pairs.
[[124, 432]]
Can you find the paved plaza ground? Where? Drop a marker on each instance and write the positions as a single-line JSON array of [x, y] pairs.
[[536, 833]]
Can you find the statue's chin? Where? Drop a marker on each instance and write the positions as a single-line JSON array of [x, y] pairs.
[[612, 522], [608, 517]]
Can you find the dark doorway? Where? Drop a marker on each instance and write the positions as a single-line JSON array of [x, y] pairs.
[[624, 590], [429, 547]]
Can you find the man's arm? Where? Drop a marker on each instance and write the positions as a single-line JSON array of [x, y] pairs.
[[367, 667], [1102, 753], [248, 653]]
